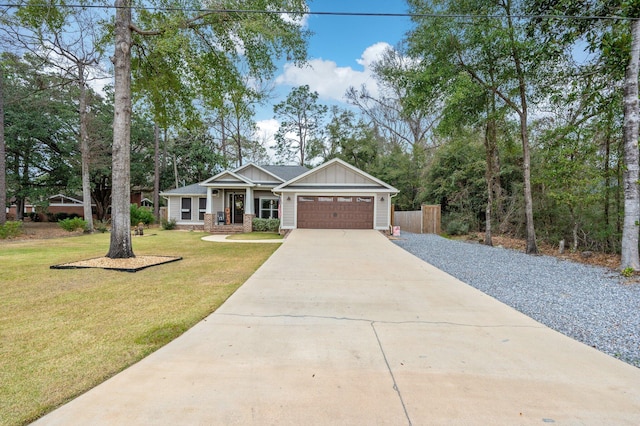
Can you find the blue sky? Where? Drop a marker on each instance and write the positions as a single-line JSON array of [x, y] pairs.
[[340, 51]]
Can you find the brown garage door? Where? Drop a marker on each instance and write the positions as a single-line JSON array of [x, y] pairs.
[[335, 212]]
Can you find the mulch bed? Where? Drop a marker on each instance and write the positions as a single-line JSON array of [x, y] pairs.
[[133, 264]]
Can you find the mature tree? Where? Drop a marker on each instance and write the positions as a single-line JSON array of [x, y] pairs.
[[39, 131], [616, 45], [351, 139], [65, 38], [207, 47], [301, 119], [466, 45], [404, 123], [120, 244], [399, 120], [3, 156], [630, 257], [196, 155]]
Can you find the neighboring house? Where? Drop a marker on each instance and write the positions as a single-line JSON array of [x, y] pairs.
[[333, 195], [59, 203], [71, 205]]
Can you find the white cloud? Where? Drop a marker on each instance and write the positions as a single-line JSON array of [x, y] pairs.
[[266, 130], [331, 81]]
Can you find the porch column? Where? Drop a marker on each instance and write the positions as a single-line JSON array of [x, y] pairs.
[[247, 220], [248, 201], [209, 194]]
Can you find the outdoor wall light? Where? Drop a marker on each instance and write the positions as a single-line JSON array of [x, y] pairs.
[[288, 198], [381, 198]]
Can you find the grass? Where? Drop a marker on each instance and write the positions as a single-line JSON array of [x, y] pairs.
[[255, 236], [63, 332]]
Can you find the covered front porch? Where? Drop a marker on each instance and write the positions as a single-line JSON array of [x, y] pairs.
[[229, 210]]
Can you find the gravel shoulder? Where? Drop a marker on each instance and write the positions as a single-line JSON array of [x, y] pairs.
[[591, 304]]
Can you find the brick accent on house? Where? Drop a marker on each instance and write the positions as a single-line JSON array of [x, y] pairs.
[[208, 222], [248, 222], [227, 229]]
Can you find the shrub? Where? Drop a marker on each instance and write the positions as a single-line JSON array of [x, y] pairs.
[[266, 225], [457, 227], [73, 224], [62, 216], [141, 214], [168, 225], [10, 229]]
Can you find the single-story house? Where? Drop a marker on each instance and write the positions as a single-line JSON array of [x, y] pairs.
[[58, 203], [334, 195]]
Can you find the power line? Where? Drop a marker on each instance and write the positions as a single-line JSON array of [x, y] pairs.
[[346, 14]]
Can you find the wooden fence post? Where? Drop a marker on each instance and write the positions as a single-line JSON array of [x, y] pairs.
[[431, 218]]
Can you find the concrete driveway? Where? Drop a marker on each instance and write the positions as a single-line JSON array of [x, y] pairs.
[[345, 328]]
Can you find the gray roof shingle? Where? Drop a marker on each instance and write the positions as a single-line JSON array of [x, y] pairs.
[[286, 172], [194, 189]]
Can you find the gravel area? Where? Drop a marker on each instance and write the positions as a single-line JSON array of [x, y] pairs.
[[593, 305]]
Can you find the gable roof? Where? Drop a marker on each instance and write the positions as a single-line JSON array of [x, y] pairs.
[[252, 174], [193, 189], [66, 199], [256, 173], [326, 176], [227, 179]]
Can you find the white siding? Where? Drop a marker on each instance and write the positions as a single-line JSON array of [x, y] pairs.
[[217, 203], [382, 211], [335, 175], [288, 220], [174, 208], [256, 175]]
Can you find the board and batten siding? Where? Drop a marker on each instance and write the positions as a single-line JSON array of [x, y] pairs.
[[256, 175], [288, 209], [334, 175], [383, 210], [174, 208]]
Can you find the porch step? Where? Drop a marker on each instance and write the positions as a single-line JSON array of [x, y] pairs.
[[227, 229]]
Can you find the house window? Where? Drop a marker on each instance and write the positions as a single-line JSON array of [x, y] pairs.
[[345, 199], [186, 209], [202, 204], [269, 208], [325, 199]]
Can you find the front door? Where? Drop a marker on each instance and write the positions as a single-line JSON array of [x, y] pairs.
[[236, 203]]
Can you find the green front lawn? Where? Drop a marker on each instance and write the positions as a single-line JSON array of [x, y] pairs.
[[64, 331]]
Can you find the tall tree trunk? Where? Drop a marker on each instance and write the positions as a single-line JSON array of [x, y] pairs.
[[175, 170], [120, 246], [164, 149], [619, 190], [630, 258], [532, 247], [3, 158], [20, 202], [84, 150], [607, 173], [156, 172], [239, 141], [489, 143]]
